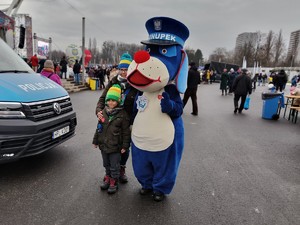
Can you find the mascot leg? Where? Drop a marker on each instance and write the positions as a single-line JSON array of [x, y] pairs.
[[158, 170], [165, 164], [142, 167]]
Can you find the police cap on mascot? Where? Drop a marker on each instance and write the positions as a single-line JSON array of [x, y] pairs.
[[160, 73]]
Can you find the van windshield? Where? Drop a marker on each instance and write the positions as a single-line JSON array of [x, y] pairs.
[[10, 61]]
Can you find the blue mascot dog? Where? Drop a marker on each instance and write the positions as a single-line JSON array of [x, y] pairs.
[[160, 72]]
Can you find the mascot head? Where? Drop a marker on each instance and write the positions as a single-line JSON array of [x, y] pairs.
[[163, 61]]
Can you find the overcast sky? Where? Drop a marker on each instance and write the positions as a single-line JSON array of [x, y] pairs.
[[212, 23]]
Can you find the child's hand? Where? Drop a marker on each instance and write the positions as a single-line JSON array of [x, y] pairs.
[[123, 151], [100, 115], [95, 146]]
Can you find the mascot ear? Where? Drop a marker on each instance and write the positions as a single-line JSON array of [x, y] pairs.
[[182, 75]]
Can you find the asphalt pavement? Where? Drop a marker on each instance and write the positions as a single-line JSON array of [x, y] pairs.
[[236, 169]]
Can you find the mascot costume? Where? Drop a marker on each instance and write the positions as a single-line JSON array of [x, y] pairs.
[[160, 73]]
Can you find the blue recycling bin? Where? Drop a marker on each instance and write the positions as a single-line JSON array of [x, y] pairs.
[[272, 103]]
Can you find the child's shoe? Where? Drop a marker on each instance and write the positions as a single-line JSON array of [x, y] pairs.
[[123, 178], [113, 186], [105, 184]]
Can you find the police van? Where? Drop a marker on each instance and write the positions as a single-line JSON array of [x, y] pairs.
[[36, 114]]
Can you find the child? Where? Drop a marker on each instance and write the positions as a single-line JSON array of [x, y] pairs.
[[113, 137]]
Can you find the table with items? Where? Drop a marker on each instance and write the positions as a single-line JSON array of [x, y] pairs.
[[293, 109]]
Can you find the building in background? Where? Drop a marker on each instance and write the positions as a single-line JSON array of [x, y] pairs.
[[294, 47], [246, 38]]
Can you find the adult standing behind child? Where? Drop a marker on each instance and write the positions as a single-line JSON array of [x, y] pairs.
[[129, 95], [113, 138], [48, 71]]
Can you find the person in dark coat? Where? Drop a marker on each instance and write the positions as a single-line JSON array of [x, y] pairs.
[[241, 87], [231, 76], [254, 80], [192, 86], [63, 64], [41, 65], [224, 82], [76, 70], [281, 79]]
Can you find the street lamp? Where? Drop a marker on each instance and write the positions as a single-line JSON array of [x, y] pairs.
[[50, 48]]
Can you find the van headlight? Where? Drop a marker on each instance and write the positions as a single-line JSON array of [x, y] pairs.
[[11, 110]]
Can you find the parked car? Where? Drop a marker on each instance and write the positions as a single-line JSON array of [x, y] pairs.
[[36, 114]]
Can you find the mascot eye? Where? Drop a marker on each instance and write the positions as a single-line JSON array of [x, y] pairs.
[[148, 49], [164, 51]]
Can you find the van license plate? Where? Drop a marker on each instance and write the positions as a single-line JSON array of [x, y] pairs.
[[60, 132]]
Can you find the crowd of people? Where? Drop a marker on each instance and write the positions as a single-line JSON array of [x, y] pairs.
[[62, 67], [240, 83]]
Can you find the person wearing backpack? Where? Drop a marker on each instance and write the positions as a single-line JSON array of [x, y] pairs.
[[48, 71]]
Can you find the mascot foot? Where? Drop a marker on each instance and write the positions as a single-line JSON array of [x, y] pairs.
[[144, 191], [158, 197]]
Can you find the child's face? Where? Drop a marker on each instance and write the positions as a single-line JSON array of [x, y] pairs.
[[111, 103]]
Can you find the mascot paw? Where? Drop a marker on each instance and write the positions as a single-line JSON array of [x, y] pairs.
[[165, 103]]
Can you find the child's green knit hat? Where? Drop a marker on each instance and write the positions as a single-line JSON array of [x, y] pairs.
[[114, 93]]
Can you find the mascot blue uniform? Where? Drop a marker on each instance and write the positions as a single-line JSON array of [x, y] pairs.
[[160, 72]]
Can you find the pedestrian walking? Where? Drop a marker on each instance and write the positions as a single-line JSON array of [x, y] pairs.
[[34, 61], [264, 79], [241, 87], [224, 82], [231, 76], [192, 86], [112, 136], [259, 78], [280, 80], [254, 80], [129, 95]]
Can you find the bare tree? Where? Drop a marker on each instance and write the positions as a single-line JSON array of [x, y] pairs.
[[247, 51], [107, 51], [278, 48], [267, 47], [94, 51], [219, 55], [57, 55], [111, 51], [191, 54], [199, 57]]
